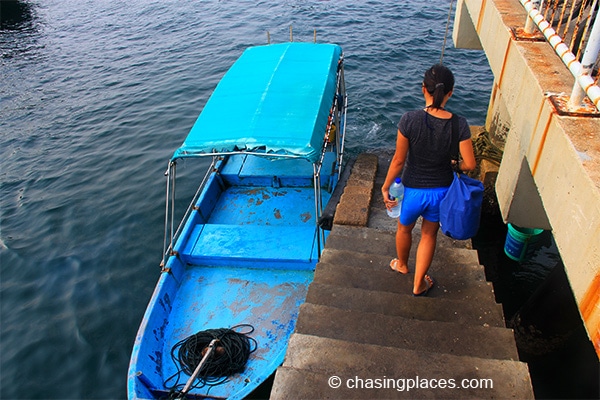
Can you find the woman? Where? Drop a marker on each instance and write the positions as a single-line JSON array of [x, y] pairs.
[[423, 155]]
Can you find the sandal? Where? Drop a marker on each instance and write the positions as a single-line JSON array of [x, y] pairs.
[[429, 281], [394, 266]]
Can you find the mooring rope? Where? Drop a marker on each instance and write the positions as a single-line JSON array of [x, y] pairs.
[[446, 34], [482, 145], [485, 149], [229, 356]]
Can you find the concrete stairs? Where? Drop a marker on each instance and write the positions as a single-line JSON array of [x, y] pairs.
[[360, 327]]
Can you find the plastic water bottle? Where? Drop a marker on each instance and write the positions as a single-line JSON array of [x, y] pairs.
[[396, 193]]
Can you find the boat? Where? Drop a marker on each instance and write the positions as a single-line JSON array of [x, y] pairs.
[[243, 254]]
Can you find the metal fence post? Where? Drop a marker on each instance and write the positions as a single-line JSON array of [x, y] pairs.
[[584, 80], [529, 24], [587, 63]]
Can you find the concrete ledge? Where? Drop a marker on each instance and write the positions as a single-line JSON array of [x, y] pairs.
[[353, 208]]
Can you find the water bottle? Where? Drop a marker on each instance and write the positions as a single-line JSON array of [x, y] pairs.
[[396, 193]]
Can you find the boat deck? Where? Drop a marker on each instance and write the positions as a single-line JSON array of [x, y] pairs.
[[212, 297], [250, 261], [252, 225], [261, 206], [268, 217], [246, 256]]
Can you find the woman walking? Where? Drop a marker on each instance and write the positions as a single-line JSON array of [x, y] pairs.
[[423, 156]]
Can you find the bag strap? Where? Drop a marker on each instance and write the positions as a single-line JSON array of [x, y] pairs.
[[454, 143]]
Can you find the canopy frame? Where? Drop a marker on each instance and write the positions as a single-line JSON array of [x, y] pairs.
[[333, 139]]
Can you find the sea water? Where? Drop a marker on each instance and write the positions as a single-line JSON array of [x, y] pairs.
[[94, 98]]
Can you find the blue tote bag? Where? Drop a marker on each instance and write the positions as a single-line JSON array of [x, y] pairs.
[[460, 210]]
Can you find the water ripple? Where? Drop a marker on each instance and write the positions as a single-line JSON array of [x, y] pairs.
[[96, 96]]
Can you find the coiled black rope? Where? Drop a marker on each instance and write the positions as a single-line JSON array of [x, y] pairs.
[[229, 356]]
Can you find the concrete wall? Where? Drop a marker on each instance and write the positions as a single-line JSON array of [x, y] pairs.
[[550, 173]]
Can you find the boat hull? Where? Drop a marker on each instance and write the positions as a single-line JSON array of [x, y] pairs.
[[248, 245]]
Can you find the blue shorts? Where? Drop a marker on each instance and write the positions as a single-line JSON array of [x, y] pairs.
[[421, 202]]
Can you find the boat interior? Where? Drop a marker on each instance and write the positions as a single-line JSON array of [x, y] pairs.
[[266, 216], [247, 254]]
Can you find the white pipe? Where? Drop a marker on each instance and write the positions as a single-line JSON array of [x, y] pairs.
[[586, 81], [587, 63]]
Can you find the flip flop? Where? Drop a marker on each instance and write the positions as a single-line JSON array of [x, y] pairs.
[[394, 266], [430, 282]]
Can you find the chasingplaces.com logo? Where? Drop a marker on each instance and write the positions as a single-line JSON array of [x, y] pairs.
[[408, 384]]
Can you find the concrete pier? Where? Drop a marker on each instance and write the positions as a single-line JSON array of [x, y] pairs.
[[550, 172], [361, 333]]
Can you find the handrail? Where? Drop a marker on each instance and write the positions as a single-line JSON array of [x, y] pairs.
[[581, 71], [171, 235]]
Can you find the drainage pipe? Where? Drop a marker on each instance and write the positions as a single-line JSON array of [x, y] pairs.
[[585, 81]]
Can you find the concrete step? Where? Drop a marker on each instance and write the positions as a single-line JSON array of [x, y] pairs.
[[407, 306], [383, 242], [468, 272], [386, 372], [365, 240], [412, 334], [361, 323], [450, 284], [362, 257], [459, 257]]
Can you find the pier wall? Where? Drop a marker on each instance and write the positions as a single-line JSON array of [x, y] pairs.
[[550, 172]]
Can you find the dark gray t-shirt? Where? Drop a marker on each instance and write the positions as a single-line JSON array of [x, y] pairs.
[[428, 161]]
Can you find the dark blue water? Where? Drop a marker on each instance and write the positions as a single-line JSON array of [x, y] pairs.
[[94, 98]]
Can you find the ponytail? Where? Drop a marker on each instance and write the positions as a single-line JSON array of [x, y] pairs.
[[438, 81]]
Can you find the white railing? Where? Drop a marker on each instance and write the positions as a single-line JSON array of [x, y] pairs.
[[573, 22]]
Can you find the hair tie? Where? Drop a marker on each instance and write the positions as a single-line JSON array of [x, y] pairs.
[[437, 85]]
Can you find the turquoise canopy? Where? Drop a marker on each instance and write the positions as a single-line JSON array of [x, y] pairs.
[[274, 99]]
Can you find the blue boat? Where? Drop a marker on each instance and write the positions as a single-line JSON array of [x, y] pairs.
[[245, 251]]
